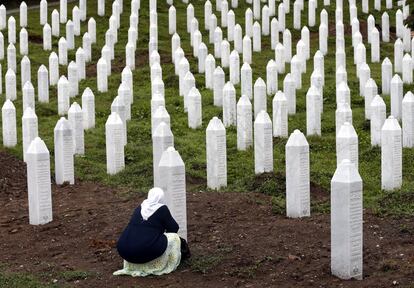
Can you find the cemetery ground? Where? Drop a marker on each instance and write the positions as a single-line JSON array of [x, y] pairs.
[[237, 240], [239, 236]]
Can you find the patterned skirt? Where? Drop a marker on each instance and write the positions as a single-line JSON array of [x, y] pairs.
[[164, 264]]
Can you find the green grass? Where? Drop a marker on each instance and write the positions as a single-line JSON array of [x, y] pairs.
[[137, 176], [19, 280]]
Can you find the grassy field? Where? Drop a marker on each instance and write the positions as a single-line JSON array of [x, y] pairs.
[[137, 176]]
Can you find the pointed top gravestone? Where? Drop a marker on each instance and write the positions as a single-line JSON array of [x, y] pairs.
[[64, 164], [114, 134], [216, 154], [346, 222], [263, 143], [39, 183], [391, 154], [297, 176], [172, 167]]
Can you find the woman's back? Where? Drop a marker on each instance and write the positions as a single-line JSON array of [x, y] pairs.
[[144, 240]]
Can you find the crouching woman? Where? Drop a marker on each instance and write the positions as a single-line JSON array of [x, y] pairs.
[[150, 244]]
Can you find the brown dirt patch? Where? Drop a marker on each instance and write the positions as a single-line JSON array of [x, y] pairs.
[[35, 39], [235, 239]]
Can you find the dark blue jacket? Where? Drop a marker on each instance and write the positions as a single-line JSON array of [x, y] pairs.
[[144, 240]]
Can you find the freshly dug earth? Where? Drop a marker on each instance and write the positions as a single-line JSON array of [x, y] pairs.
[[236, 240]]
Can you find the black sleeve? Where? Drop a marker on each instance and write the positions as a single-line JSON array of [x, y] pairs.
[[168, 221]]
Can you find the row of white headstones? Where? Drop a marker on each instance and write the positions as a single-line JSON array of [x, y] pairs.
[[167, 161], [346, 178]]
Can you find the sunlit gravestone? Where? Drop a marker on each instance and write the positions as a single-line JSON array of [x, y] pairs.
[[216, 154], [172, 167], [297, 176], [39, 183], [346, 222], [64, 163], [114, 134]]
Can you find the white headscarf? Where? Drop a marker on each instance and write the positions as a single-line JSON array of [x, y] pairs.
[[153, 202]]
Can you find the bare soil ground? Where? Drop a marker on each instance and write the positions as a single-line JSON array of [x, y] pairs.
[[236, 240]]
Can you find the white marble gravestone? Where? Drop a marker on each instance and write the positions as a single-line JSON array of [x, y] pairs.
[[39, 183], [378, 115], [24, 42], [346, 222], [63, 95], [126, 76], [11, 57], [257, 37], [234, 67], [407, 70], [102, 75], [10, 79], [55, 23], [63, 51], [343, 114], [218, 85], [25, 70], [289, 89], [73, 79], [160, 115], [114, 134], [188, 83], [313, 112], [172, 167], [11, 30], [92, 29], [75, 117], [244, 123], [64, 164], [247, 49], [343, 94], [260, 96], [280, 58], [287, 44], [238, 39], [398, 55], [53, 68], [70, 35], [161, 140], [8, 116], [371, 90], [125, 94], [263, 143], [28, 96], [80, 57], [391, 154], [280, 115], [202, 57], [386, 76], [271, 77], [297, 176], [43, 12], [194, 108], [118, 106], [408, 120], [88, 108], [229, 105], [246, 80], [216, 154], [1, 46], [63, 11], [47, 37], [347, 145], [396, 96], [210, 66], [3, 18]]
